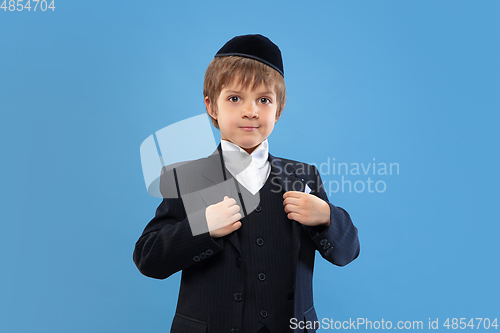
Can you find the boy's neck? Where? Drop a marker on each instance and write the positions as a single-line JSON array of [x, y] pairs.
[[249, 151]]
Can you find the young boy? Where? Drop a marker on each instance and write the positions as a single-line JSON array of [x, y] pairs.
[[241, 224]]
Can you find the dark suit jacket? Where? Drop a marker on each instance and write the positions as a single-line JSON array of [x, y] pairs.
[[209, 270]]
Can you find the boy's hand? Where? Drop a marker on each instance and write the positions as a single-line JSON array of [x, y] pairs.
[[223, 217], [306, 208]]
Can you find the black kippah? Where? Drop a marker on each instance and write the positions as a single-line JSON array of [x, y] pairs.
[[256, 47]]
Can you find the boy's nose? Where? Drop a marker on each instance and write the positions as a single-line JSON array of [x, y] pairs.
[[250, 111]]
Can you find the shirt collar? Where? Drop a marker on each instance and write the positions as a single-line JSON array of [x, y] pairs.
[[258, 158]]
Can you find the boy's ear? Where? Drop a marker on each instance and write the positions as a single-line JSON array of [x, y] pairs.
[[277, 117], [210, 110]]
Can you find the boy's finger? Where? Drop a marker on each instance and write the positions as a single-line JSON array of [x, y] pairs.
[[294, 216], [291, 201], [292, 194], [229, 201], [233, 208], [230, 228], [292, 208], [233, 205], [235, 218]]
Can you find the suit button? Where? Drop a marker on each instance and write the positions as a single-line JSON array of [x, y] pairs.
[[258, 209], [235, 330], [263, 313], [209, 252], [262, 276], [196, 258], [327, 246], [238, 297], [323, 242], [238, 261], [260, 241], [329, 250], [203, 255]]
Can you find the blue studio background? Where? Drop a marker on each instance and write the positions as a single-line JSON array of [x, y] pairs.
[[414, 83]]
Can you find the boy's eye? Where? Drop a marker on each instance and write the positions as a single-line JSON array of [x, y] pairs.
[[265, 100], [234, 99]]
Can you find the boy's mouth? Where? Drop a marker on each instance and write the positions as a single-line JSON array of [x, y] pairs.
[[248, 128]]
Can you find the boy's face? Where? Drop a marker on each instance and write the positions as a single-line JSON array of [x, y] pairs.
[[246, 116]]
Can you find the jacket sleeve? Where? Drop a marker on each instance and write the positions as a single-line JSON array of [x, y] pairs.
[[338, 243], [167, 244]]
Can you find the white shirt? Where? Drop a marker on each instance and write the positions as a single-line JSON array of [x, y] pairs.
[[250, 170]]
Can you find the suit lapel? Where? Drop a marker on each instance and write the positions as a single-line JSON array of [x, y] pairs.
[[215, 171], [285, 173]]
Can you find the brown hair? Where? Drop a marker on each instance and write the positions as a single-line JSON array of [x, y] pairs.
[[223, 71]]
